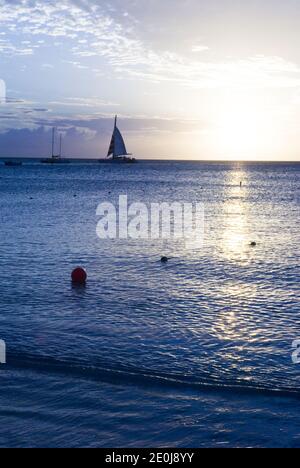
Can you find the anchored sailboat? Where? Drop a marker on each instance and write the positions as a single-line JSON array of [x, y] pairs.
[[117, 150], [56, 158]]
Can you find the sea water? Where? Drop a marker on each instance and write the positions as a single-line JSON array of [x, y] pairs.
[[193, 353]]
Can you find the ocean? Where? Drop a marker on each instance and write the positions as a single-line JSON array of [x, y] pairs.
[[193, 353]]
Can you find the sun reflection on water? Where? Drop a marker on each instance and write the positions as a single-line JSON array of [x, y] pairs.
[[235, 232], [231, 323]]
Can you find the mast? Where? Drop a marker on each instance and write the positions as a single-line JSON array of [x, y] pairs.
[[60, 145], [53, 140]]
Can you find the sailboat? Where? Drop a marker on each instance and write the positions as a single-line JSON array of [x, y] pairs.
[[55, 158], [117, 152]]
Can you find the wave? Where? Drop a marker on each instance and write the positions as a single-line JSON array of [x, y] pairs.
[[142, 377]]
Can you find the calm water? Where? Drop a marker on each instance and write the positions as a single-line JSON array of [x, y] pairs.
[[189, 354]]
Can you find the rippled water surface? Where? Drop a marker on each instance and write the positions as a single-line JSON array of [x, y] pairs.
[[193, 353]]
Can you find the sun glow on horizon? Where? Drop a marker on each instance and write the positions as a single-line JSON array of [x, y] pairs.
[[246, 128]]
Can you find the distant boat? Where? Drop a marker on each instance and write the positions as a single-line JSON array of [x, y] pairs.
[[13, 163], [56, 158], [117, 152]]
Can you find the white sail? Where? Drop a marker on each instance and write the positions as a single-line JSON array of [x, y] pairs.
[[117, 146]]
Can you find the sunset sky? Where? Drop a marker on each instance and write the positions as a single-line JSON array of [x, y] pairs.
[[189, 79]]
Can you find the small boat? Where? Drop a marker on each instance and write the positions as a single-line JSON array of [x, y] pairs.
[[13, 163], [117, 152], [55, 158]]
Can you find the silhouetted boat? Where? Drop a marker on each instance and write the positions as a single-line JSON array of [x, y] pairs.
[[55, 158], [117, 152], [13, 163]]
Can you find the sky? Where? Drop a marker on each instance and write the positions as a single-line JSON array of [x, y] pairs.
[[189, 79]]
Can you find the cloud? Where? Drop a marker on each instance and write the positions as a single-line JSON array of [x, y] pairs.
[[47, 66], [96, 30], [196, 48], [76, 64], [88, 136], [92, 102], [7, 48]]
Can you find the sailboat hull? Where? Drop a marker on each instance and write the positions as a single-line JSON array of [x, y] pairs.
[[55, 161], [124, 160]]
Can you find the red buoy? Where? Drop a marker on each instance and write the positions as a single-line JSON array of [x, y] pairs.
[[79, 276]]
